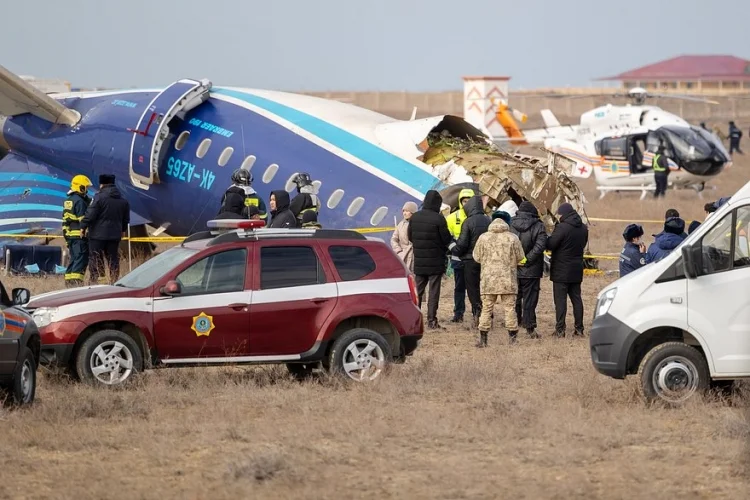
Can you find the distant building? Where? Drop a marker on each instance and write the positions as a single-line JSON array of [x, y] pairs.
[[697, 73]]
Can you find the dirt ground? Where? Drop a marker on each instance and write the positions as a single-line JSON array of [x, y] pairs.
[[534, 420]]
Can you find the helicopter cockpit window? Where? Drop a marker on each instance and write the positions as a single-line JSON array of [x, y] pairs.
[[688, 143]]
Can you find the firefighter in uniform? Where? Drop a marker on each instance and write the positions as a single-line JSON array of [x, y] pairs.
[[74, 208], [661, 172], [241, 195], [306, 199]]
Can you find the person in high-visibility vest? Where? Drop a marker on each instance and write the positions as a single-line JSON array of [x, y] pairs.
[[74, 208], [455, 221], [661, 172]]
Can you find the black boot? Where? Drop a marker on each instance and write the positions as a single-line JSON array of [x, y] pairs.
[[531, 332], [512, 336], [457, 318], [482, 339]]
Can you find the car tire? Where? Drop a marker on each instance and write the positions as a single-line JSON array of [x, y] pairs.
[[105, 353], [23, 386], [673, 372], [360, 354]]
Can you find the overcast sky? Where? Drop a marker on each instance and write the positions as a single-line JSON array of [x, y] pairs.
[[414, 45]]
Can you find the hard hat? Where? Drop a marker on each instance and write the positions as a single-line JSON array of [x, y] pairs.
[[80, 183], [242, 177], [302, 179]]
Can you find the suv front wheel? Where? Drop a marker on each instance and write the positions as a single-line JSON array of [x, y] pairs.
[[360, 354], [108, 357]]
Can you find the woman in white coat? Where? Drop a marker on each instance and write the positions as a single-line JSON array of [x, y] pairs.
[[400, 241]]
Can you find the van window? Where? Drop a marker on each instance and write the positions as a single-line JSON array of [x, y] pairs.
[[717, 247], [742, 237]]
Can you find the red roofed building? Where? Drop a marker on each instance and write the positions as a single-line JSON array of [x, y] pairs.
[[690, 73]]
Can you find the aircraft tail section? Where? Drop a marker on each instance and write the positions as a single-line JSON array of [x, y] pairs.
[[550, 120], [18, 96], [506, 117]]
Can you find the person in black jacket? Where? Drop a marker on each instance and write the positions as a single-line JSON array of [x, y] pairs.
[[106, 219], [473, 227], [567, 244], [240, 196], [281, 216], [530, 230], [431, 240], [306, 200]]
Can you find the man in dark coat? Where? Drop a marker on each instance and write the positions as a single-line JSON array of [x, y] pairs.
[[667, 240], [281, 216], [431, 240], [530, 230], [473, 227], [567, 244], [106, 219]]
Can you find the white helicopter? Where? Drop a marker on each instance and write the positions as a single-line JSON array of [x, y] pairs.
[[617, 143]]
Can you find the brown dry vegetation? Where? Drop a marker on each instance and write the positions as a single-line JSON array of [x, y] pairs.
[[530, 421]]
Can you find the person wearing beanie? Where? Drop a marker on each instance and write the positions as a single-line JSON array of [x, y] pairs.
[[693, 226], [455, 220], [529, 228], [567, 244], [474, 226], [400, 240], [501, 214], [106, 219], [498, 252], [667, 240], [633, 255], [431, 241]]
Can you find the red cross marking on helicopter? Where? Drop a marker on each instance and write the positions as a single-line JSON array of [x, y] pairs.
[[582, 169]]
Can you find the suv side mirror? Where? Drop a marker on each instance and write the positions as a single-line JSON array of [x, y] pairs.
[[20, 296], [171, 288], [691, 260]]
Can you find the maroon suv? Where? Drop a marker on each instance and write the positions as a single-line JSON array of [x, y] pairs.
[[295, 296]]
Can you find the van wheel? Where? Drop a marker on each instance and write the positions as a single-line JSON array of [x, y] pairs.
[[108, 357], [360, 354], [673, 372]]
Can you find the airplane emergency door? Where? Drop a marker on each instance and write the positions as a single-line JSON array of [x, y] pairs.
[[152, 129]]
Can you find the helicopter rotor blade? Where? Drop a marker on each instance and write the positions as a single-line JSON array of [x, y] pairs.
[[683, 97]]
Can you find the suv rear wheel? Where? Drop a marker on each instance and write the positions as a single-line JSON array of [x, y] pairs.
[[360, 354], [108, 357]]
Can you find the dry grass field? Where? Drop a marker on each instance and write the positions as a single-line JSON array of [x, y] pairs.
[[532, 420]]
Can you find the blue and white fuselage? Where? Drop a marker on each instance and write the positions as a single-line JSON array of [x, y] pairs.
[[364, 164]]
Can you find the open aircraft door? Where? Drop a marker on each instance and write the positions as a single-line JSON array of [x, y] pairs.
[[153, 127]]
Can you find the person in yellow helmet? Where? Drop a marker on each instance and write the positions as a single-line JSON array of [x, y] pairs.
[[455, 221], [74, 208]]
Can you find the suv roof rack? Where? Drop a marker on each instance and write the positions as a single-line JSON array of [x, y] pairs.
[[264, 234]]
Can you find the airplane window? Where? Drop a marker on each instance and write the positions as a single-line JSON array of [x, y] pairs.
[[270, 173], [290, 185], [335, 198], [316, 185], [378, 216], [203, 148], [355, 205], [225, 156], [182, 140], [248, 163]]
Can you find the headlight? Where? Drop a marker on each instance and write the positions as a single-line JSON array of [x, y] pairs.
[[606, 302], [44, 316]]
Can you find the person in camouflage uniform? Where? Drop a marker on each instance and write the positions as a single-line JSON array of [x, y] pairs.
[[499, 252]]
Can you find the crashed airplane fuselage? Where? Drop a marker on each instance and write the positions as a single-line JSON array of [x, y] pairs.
[[173, 151]]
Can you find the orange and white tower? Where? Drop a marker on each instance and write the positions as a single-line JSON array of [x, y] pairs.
[[478, 109]]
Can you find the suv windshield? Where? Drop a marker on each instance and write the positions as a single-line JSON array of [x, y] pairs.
[[156, 267]]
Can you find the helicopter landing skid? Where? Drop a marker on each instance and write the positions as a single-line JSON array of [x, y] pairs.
[[644, 189]]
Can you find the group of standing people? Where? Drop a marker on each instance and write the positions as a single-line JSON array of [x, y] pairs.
[[242, 201], [93, 229], [497, 258]]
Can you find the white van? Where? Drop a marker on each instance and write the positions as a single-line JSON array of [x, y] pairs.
[[683, 323]]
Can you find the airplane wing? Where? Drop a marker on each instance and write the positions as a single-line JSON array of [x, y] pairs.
[[18, 96]]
